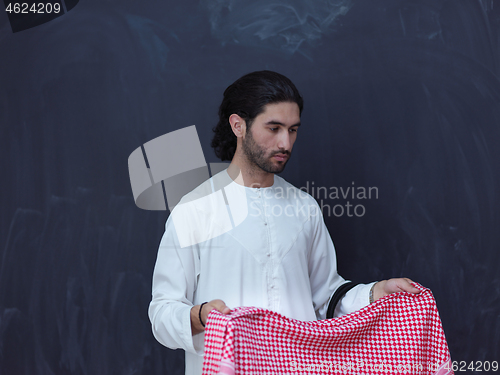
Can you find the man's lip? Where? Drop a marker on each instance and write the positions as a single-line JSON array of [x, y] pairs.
[[281, 156]]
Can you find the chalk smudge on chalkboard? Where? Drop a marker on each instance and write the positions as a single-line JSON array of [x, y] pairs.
[[146, 31], [73, 293], [284, 25]]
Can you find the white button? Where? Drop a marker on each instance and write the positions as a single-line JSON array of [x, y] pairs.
[[265, 223], [268, 254]]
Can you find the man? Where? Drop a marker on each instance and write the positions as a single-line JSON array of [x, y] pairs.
[[253, 239]]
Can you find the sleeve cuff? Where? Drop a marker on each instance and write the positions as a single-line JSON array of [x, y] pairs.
[[354, 300], [194, 344]]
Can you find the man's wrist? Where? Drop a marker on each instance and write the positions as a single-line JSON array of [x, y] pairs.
[[378, 290], [199, 314], [196, 326], [370, 295]]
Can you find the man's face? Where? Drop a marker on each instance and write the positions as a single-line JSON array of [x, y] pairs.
[[268, 144]]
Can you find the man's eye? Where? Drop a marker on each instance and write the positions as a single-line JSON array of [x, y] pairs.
[[273, 129], [293, 130]]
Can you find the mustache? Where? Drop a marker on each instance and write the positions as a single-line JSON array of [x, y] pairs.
[[281, 152]]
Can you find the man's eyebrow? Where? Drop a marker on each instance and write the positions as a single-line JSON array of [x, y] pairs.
[[274, 122]]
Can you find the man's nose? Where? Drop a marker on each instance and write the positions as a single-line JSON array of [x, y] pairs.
[[284, 141]]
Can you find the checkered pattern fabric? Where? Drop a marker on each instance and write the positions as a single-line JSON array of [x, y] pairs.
[[398, 334]]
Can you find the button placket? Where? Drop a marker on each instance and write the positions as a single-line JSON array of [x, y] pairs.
[[271, 288]]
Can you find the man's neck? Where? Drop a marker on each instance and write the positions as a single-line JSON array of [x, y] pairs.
[[245, 175]]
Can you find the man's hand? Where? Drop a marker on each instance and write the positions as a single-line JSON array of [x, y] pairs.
[[215, 304], [386, 287]]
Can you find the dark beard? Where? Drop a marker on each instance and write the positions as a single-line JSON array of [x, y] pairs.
[[256, 155]]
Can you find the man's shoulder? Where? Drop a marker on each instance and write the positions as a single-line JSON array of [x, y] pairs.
[[207, 188], [292, 192], [201, 214]]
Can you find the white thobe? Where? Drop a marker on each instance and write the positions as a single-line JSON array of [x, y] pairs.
[[263, 247]]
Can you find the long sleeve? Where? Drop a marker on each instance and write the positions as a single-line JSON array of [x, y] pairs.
[[324, 277], [322, 266], [174, 283], [354, 300]]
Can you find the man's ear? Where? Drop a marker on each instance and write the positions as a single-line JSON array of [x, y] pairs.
[[238, 125]]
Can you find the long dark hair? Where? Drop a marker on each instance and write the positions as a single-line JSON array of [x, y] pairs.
[[247, 97]]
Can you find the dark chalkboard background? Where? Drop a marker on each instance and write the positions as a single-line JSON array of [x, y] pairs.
[[403, 95]]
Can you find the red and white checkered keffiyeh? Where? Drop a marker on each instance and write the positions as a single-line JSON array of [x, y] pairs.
[[398, 334]]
